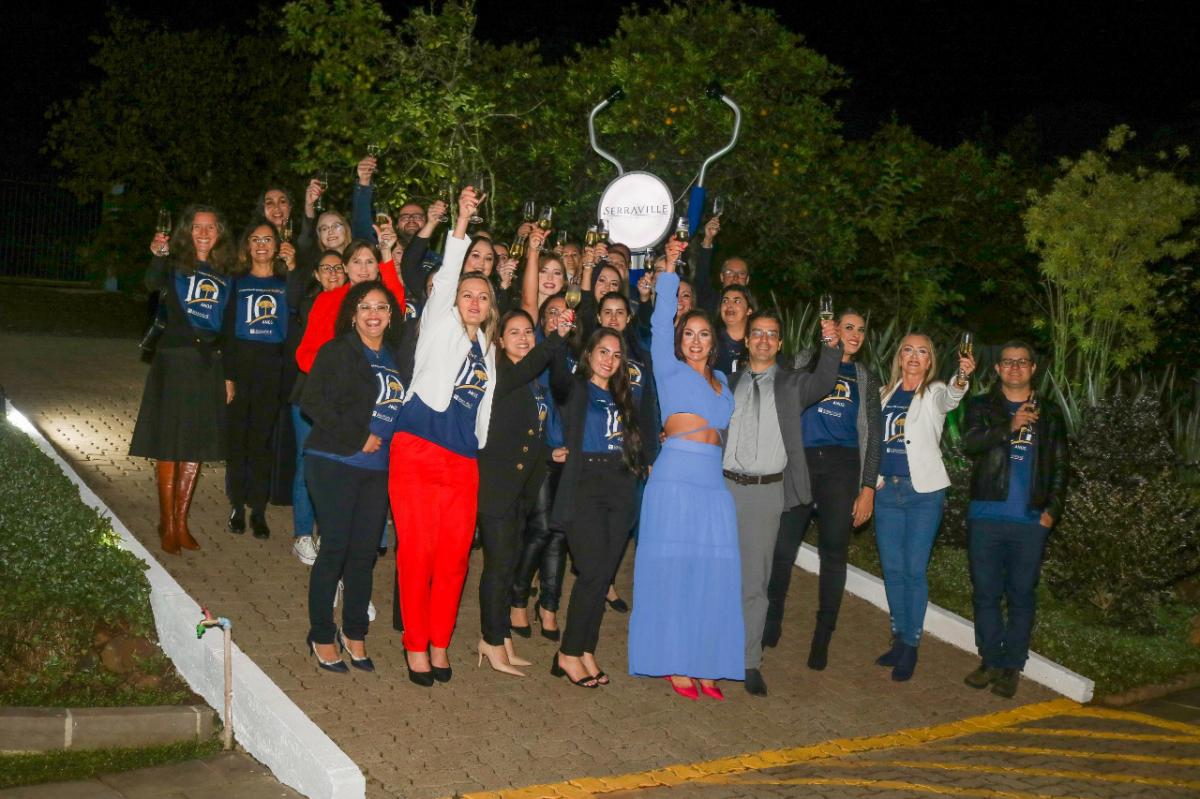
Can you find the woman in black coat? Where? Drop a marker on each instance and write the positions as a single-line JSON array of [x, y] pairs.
[[512, 467], [353, 395]]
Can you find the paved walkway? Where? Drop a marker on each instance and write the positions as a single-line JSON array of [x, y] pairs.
[[483, 731], [229, 775]]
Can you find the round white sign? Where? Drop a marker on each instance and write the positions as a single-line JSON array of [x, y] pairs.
[[638, 209]]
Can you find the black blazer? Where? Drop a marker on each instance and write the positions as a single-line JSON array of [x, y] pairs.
[[339, 395], [515, 455]]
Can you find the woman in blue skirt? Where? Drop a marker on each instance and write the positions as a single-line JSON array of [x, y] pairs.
[[687, 620]]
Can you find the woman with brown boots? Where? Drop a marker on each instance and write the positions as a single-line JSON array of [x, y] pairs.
[[182, 421]]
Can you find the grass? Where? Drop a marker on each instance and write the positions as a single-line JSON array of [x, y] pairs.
[[83, 764], [71, 312], [1116, 659]]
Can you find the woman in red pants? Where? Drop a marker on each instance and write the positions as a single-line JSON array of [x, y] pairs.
[[434, 480]]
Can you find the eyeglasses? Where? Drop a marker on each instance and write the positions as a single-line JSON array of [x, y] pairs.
[[332, 226], [411, 218], [261, 239], [1015, 363], [381, 307], [760, 333], [331, 269]]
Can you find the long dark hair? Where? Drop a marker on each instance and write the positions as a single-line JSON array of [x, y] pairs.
[[618, 387], [278, 267], [183, 251], [349, 306], [260, 208], [697, 313], [630, 332], [508, 317]]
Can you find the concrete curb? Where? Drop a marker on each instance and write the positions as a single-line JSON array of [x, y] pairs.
[[955, 630], [269, 726], [43, 729]]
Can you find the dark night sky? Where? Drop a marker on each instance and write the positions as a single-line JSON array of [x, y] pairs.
[[947, 69]]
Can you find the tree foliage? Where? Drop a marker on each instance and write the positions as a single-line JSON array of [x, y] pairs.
[[178, 117], [1098, 231]]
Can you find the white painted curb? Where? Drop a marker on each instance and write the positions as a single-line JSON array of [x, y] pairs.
[[266, 722], [955, 630]]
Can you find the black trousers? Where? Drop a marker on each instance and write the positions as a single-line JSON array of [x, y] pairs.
[[257, 370], [597, 537], [502, 538], [834, 476], [351, 506], [543, 549]]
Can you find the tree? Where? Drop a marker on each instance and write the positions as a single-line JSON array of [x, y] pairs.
[[178, 117], [1098, 231]]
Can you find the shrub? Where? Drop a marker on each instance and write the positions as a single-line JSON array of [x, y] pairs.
[[1132, 529], [65, 578]]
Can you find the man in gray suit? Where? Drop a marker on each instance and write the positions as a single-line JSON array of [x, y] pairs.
[[764, 464]]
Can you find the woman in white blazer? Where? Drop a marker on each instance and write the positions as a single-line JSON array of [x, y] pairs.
[[912, 489]]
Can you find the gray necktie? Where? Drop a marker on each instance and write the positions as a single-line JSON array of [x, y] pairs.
[[747, 448]]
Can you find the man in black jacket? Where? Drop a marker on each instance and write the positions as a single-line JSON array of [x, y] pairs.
[[1018, 486]]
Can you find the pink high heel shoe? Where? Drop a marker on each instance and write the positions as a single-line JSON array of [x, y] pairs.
[[686, 693], [712, 691]]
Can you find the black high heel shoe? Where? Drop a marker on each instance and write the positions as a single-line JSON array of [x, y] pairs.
[[336, 666], [524, 632], [583, 682], [237, 520], [554, 634], [618, 604], [421, 678], [362, 664]]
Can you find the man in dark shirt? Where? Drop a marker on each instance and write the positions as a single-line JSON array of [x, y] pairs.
[[1018, 443]]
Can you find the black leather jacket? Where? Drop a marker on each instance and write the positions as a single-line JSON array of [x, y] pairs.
[[986, 438]]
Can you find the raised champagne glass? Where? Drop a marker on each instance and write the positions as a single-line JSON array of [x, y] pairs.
[[966, 349], [560, 241], [322, 178], [374, 150], [718, 205], [163, 226], [545, 222], [825, 312], [682, 234], [591, 237], [480, 185], [518, 248], [574, 295]]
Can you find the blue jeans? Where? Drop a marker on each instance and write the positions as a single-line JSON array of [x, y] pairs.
[[303, 515], [1006, 563], [906, 523]]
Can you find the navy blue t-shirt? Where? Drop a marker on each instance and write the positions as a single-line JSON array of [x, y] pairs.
[[453, 428], [602, 429], [203, 295], [729, 352], [895, 451], [260, 304], [833, 422], [1015, 508]]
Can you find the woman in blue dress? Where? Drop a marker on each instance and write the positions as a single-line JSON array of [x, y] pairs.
[[687, 621]]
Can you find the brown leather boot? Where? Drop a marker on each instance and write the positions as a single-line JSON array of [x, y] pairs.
[[184, 488], [165, 471]]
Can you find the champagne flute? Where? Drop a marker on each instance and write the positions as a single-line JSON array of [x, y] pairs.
[[825, 312], [545, 222], [322, 181], [966, 349], [285, 231], [574, 295], [718, 205], [518, 247], [560, 241], [374, 150], [1027, 428], [478, 185], [529, 211], [163, 226], [684, 235], [592, 237]]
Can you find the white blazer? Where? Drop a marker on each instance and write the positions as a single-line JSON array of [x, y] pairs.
[[923, 433], [442, 345]]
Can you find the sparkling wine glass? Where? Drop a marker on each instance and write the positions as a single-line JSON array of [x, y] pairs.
[[966, 349], [825, 312], [322, 178], [163, 226], [545, 222]]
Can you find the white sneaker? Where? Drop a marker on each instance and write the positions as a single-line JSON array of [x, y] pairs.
[[370, 610], [305, 549]]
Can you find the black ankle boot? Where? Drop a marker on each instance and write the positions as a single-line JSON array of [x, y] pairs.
[[818, 653], [889, 657], [906, 664], [258, 524]]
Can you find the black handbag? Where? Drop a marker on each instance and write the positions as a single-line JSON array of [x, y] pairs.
[[149, 342]]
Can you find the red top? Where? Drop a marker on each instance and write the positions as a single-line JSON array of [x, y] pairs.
[[324, 313]]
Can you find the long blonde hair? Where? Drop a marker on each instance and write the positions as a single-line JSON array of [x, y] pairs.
[[898, 371], [492, 322]]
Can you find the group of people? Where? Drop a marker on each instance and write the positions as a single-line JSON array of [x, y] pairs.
[[559, 407]]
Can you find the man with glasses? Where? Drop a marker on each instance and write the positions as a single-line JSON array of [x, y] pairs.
[[734, 271], [764, 464], [1018, 442]]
